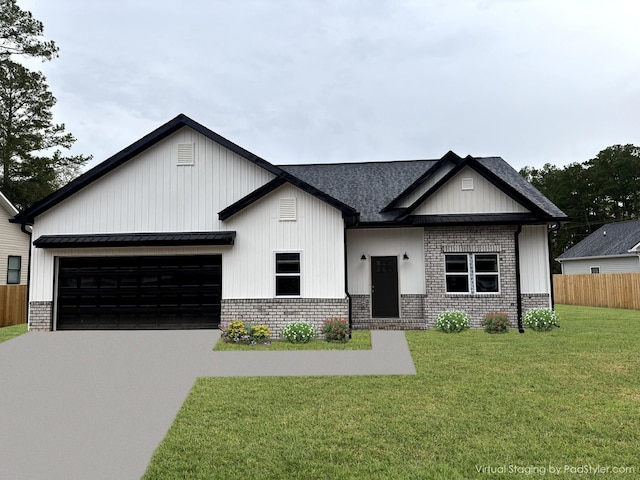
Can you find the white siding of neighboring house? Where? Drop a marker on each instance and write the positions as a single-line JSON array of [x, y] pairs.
[[152, 193], [429, 182], [318, 234], [534, 260], [625, 264], [12, 242], [386, 242], [484, 198]]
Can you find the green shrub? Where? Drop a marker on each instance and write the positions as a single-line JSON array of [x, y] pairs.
[[541, 319], [336, 330], [237, 332], [452, 321], [298, 332], [260, 333], [496, 322], [234, 331]]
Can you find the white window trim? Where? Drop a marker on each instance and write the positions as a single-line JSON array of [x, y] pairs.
[[471, 274], [457, 274], [496, 274], [591, 268], [18, 270], [274, 274]]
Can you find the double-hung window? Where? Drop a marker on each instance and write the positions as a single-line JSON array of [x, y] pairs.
[[487, 277], [288, 274], [14, 265], [457, 273], [472, 273]]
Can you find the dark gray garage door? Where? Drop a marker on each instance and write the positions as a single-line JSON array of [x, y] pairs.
[[139, 292]]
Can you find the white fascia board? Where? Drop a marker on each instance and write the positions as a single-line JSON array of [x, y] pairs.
[[8, 206], [631, 254]]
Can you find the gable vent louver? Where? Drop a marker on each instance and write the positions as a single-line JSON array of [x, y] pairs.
[[186, 153], [467, 183], [287, 210]]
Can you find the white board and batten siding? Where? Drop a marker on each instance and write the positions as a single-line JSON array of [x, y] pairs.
[[14, 242], [428, 183], [617, 264], [317, 233], [534, 260], [468, 192], [152, 193], [386, 242]]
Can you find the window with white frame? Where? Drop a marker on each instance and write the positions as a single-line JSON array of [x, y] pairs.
[[457, 273], [595, 269], [288, 274], [472, 273], [14, 265]]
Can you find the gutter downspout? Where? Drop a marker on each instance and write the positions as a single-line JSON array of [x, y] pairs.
[[553, 229], [23, 227], [516, 238], [346, 281]]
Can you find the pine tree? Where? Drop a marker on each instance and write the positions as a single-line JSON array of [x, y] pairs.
[[32, 164]]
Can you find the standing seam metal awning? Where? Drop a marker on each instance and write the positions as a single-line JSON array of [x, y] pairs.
[[135, 239]]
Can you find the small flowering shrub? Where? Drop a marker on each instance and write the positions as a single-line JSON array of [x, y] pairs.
[[452, 321], [298, 332], [260, 333], [234, 331], [496, 322], [541, 319], [336, 330], [238, 332]]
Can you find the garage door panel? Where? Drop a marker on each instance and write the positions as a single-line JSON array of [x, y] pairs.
[[139, 292]]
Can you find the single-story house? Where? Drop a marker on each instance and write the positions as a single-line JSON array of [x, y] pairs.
[[613, 248], [14, 246], [185, 229]]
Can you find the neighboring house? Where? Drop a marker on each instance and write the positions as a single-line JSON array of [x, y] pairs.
[[14, 247], [613, 248], [184, 229]]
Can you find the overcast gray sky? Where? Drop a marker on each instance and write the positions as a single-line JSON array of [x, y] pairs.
[[314, 81]]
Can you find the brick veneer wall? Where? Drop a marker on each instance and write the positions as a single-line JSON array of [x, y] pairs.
[[40, 316], [535, 300], [276, 312], [411, 314], [491, 239]]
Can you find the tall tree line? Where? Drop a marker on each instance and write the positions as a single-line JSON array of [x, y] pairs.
[[32, 162], [601, 190]]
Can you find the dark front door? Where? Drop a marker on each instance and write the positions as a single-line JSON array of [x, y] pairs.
[[384, 287], [172, 292]]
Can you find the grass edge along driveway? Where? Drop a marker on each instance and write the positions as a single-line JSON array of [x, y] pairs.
[[498, 406], [7, 333]]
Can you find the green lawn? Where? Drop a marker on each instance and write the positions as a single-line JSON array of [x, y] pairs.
[[509, 404], [7, 333], [361, 340]]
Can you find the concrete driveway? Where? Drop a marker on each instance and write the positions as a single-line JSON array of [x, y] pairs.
[[94, 405]]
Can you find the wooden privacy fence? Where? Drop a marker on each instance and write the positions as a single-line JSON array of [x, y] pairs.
[[613, 290], [13, 304]]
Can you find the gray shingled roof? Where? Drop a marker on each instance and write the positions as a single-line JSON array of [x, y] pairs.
[[369, 187], [620, 237], [510, 176]]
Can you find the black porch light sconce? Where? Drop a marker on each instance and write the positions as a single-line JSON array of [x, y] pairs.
[[405, 256], [363, 257]]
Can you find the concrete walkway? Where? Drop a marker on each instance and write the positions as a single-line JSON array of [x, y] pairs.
[[95, 405]]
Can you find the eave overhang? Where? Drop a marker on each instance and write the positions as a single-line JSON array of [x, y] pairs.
[[136, 239]]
